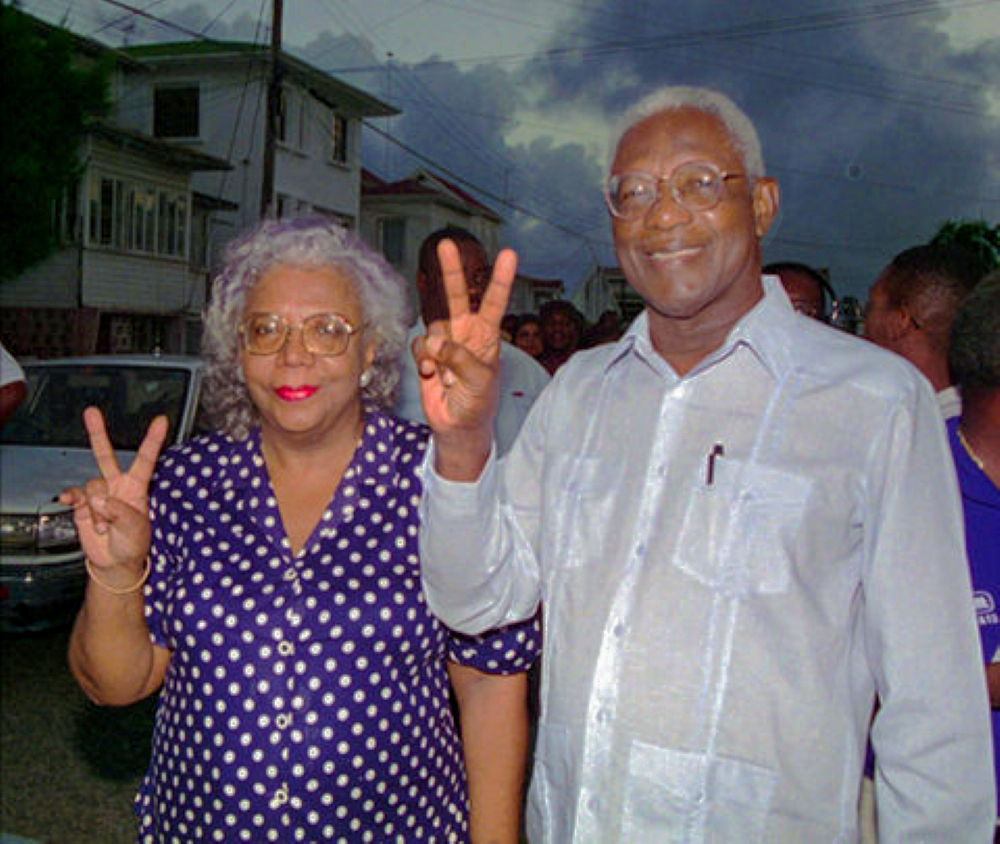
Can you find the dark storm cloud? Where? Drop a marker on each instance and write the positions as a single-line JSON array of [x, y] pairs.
[[876, 125]]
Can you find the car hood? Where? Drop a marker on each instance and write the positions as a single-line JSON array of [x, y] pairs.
[[33, 476]]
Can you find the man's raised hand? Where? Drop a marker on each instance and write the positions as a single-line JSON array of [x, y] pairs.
[[459, 362]]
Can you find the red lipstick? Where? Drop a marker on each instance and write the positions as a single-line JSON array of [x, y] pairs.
[[287, 393]]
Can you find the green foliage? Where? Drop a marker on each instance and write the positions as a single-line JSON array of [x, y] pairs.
[[50, 90], [977, 236]]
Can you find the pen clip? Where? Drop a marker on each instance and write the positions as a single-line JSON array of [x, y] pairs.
[[718, 450]]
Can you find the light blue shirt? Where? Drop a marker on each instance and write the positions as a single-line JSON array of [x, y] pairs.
[[716, 629]]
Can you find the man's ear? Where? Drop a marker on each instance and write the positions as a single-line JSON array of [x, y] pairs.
[[899, 321], [766, 201]]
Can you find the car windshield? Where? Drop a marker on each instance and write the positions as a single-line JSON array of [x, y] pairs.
[[129, 396]]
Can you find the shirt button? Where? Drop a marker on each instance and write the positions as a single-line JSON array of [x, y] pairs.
[[286, 648], [602, 716], [640, 549], [618, 630], [593, 805], [661, 470]]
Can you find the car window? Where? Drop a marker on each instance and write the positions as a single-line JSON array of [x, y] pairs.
[[129, 396]]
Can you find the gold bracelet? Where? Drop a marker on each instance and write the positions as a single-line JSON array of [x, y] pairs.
[[134, 588]]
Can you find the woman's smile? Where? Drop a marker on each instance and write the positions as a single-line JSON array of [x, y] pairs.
[[287, 393]]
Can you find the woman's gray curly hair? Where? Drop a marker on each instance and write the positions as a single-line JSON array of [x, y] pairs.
[[305, 242]]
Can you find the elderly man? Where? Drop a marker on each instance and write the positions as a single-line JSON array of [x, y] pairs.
[[736, 524], [911, 306]]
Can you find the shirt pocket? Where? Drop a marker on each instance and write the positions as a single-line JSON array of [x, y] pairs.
[[738, 533], [673, 795]]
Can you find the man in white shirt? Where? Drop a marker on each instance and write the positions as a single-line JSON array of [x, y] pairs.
[[911, 306], [13, 388], [522, 378], [742, 526]]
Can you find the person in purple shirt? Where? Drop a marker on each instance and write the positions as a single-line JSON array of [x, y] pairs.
[[974, 359], [266, 577]]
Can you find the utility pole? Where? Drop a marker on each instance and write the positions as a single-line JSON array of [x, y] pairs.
[[271, 119]]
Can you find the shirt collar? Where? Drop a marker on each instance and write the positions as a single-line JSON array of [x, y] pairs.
[[764, 330]]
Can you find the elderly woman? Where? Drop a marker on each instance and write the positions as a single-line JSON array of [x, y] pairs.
[[304, 681]]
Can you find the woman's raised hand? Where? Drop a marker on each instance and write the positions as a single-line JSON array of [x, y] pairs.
[[111, 511]]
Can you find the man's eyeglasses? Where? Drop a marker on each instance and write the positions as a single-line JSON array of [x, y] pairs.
[[327, 335], [696, 186]]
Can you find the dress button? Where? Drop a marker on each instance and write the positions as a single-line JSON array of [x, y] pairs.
[[282, 721], [286, 648], [280, 797], [290, 574], [294, 618]]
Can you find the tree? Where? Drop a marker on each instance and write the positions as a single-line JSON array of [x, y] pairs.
[[49, 93], [977, 236]]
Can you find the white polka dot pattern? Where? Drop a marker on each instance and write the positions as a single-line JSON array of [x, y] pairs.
[[307, 696]]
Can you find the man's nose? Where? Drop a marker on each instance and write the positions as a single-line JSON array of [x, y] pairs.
[[665, 210]]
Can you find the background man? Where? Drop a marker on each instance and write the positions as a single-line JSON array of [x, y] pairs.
[[975, 443], [562, 328], [911, 306], [522, 378], [13, 387], [807, 290], [737, 526]]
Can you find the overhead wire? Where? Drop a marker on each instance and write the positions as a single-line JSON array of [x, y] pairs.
[[455, 133]]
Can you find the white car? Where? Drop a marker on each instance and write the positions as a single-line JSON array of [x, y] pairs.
[[44, 448]]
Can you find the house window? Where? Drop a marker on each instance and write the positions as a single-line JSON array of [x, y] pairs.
[[338, 139], [134, 217], [175, 112], [281, 118], [291, 118], [303, 123], [392, 240]]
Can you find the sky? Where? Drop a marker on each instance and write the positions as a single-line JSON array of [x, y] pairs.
[[880, 119]]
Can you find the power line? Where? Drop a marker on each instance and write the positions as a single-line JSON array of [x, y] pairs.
[[477, 188]]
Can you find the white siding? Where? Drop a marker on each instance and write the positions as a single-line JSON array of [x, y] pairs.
[[49, 284], [135, 283]]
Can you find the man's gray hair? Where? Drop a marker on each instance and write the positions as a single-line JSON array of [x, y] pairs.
[[741, 130]]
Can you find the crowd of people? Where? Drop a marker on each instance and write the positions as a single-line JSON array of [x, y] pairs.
[[758, 557], [557, 331]]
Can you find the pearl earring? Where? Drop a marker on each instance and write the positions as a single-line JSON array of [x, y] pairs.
[[366, 378]]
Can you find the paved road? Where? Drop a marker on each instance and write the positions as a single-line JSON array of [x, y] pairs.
[[68, 769]]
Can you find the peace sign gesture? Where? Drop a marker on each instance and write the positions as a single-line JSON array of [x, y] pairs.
[[459, 362], [111, 512]]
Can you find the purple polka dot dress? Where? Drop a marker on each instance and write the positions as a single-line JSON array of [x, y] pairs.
[[307, 695]]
